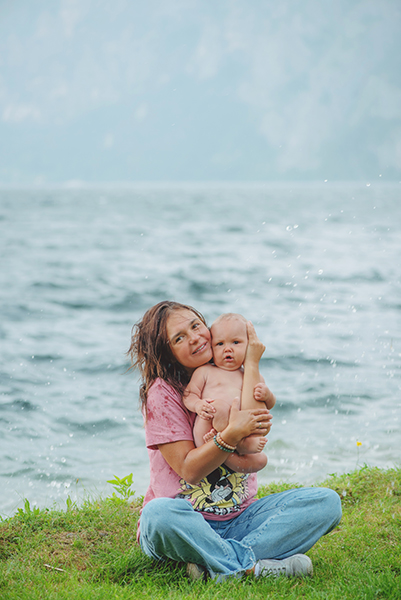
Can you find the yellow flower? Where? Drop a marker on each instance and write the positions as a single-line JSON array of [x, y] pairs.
[[359, 443]]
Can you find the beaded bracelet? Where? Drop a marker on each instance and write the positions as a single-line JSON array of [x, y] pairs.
[[223, 443], [220, 446]]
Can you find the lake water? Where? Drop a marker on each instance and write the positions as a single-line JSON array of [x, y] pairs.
[[317, 268]]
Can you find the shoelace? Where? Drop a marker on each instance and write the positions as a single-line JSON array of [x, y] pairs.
[[277, 570]]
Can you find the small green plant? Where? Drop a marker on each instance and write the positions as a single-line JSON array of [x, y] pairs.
[[70, 504], [27, 511], [122, 487]]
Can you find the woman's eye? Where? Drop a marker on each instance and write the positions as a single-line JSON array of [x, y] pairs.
[[195, 325], [177, 340]]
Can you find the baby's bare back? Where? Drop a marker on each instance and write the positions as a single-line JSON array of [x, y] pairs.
[[222, 385]]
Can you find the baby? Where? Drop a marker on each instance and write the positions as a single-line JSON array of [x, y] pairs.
[[214, 386]]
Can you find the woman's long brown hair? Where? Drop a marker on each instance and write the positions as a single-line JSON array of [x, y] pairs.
[[150, 350]]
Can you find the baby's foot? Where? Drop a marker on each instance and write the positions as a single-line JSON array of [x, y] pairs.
[[209, 435], [262, 443], [251, 445]]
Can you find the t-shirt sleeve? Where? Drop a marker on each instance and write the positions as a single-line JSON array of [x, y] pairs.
[[167, 420]]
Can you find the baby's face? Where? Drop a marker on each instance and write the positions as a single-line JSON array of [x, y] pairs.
[[229, 343]]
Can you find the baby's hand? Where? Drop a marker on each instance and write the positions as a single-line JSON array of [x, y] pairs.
[[205, 409], [261, 393]]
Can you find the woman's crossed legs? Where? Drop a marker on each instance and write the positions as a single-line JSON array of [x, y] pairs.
[[276, 527]]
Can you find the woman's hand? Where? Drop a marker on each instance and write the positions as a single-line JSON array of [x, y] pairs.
[[255, 347], [246, 422]]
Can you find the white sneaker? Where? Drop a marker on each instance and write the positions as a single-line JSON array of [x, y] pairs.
[[293, 566]]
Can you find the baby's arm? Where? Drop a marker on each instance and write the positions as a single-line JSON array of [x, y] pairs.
[[252, 377], [261, 393], [192, 398]]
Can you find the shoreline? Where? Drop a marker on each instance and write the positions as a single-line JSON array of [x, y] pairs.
[[90, 551]]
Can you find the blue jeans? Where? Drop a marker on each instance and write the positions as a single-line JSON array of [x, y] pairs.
[[276, 526]]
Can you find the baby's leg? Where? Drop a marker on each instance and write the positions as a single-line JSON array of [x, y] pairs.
[[222, 414], [220, 422], [246, 463], [201, 428], [251, 445]]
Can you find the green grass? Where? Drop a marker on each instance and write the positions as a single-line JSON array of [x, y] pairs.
[[95, 548]]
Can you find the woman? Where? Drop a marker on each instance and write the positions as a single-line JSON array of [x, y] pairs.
[[196, 510]]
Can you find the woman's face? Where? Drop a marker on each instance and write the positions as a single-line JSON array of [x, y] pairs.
[[189, 339]]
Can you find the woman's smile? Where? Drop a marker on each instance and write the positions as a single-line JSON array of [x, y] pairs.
[[200, 349]]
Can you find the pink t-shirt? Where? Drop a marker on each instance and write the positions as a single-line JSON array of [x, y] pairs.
[[219, 496]]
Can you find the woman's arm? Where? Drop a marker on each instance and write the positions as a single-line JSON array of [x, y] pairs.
[[193, 464]]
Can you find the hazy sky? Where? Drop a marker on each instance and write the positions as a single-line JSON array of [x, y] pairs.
[[192, 90]]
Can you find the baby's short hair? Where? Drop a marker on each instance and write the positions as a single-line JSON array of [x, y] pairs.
[[228, 317]]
